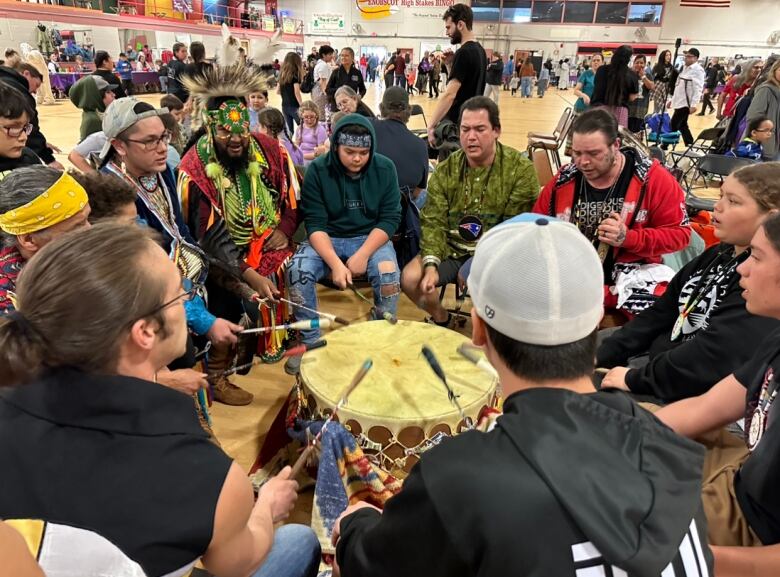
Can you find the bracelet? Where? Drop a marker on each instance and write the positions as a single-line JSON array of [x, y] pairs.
[[430, 264]]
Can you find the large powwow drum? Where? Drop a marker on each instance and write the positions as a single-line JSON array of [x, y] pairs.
[[401, 409]]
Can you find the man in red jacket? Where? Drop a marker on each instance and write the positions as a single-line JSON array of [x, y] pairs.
[[627, 204]]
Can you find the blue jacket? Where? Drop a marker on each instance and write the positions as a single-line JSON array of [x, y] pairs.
[[124, 69], [748, 148]]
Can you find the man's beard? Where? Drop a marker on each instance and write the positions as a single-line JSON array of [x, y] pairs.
[[456, 37], [233, 163]]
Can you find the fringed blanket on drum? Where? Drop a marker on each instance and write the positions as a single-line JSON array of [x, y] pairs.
[[345, 476]]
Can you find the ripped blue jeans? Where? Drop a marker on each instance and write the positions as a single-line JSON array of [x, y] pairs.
[[307, 268]]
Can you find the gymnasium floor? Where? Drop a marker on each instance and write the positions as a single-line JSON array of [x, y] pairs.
[[241, 429]]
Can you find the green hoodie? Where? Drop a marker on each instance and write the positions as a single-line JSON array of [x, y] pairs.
[[342, 206], [86, 96]]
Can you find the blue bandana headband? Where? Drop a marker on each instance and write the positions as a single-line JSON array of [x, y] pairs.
[[354, 140]]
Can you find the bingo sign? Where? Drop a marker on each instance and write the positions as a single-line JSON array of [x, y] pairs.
[[393, 10], [327, 22]]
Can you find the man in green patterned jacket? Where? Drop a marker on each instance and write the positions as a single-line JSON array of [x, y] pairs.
[[475, 189]]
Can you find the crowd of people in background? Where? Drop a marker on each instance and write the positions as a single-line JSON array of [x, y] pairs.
[[226, 181]]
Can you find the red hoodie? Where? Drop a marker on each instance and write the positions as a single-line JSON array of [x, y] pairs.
[[654, 209]]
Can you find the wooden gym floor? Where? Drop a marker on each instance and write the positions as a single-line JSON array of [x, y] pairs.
[[241, 430]]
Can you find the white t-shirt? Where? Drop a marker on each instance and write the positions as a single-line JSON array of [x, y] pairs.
[[321, 71]]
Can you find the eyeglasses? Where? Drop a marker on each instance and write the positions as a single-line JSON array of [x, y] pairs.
[[16, 131], [187, 295], [154, 142], [226, 135], [769, 130]]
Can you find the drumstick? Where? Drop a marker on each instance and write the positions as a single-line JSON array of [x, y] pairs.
[[356, 380], [293, 352], [434, 363], [322, 323], [601, 371], [471, 355], [363, 297], [339, 320]]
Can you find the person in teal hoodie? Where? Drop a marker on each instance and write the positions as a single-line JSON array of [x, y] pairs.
[[352, 207]]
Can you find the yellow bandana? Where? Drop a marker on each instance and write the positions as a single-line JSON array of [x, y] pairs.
[[65, 198]]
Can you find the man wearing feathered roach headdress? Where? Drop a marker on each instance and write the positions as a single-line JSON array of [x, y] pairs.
[[239, 204]]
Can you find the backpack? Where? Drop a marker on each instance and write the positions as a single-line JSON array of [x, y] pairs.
[[308, 81]]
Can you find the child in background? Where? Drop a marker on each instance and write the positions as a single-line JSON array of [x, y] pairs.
[[759, 130], [334, 120], [175, 107], [162, 72], [271, 123], [543, 82], [257, 101], [174, 154], [311, 136], [411, 77], [514, 84], [125, 72]]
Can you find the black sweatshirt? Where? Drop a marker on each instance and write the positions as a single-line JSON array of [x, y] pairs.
[[717, 338], [339, 78], [36, 141], [563, 483]]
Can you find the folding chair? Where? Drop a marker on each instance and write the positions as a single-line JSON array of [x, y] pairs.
[[704, 144], [459, 315], [713, 165], [417, 110], [559, 128], [544, 171], [551, 145]]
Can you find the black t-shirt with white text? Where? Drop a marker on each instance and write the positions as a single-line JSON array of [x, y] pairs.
[[592, 205], [469, 67], [757, 481]]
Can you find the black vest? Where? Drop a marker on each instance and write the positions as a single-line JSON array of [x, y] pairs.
[[120, 457]]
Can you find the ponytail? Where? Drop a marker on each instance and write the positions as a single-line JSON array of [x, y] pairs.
[[21, 350]]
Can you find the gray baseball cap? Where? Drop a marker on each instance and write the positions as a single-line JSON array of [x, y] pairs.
[[102, 84], [395, 98], [120, 116]]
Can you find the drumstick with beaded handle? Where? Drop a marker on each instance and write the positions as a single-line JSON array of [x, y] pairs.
[[436, 366], [322, 323], [334, 318], [471, 355], [356, 380]]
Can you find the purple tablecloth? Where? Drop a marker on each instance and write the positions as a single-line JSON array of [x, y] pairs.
[[64, 80], [145, 78]]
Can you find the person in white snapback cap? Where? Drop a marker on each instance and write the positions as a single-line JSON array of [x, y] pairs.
[[570, 481]]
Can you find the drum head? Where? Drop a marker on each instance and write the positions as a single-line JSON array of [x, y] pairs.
[[401, 390]]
